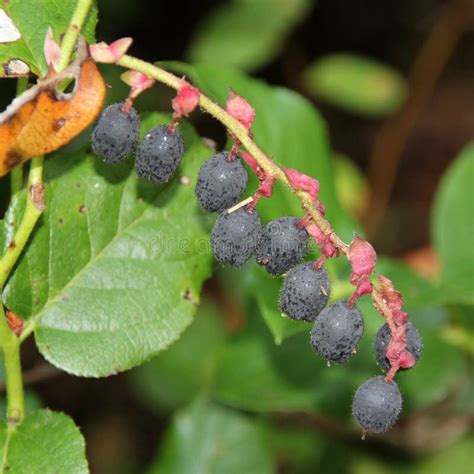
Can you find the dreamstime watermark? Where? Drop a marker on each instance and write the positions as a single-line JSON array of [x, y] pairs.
[[163, 244], [166, 244]]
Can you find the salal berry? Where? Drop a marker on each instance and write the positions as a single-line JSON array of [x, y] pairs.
[[235, 236], [337, 331], [220, 183], [377, 404], [115, 133], [414, 344], [282, 246], [159, 155], [305, 292]]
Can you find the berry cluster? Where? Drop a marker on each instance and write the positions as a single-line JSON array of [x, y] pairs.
[[158, 154], [279, 247]]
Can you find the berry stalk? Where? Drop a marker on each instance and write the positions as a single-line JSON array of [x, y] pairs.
[[271, 170]]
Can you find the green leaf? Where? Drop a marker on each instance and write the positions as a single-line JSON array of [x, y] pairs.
[[113, 273], [357, 84], [246, 33], [174, 377], [209, 439], [453, 229], [33, 18], [43, 443]]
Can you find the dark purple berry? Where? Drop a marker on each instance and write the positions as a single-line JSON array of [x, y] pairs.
[[220, 183], [235, 236], [282, 246], [377, 404], [337, 331], [159, 155], [382, 339], [305, 292], [115, 133]]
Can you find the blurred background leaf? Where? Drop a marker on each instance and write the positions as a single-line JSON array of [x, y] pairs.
[[355, 83], [453, 229], [226, 367], [246, 33], [206, 438]]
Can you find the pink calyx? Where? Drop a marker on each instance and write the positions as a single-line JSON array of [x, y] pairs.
[[186, 100], [51, 50], [240, 109], [266, 181], [110, 53], [363, 259], [138, 83], [302, 182], [324, 242]]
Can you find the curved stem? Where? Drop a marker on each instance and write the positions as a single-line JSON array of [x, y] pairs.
[[241, 133]]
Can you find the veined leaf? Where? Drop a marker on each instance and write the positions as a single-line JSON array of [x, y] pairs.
[[43, 443], [113, 273]]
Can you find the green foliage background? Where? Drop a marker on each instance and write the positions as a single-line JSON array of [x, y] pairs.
[[114, 273]]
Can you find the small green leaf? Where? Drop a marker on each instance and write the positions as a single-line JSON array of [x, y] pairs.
[[246, 33], [113, 273], [357, 84], [43, 443], [206, 438], [32, 18], [453, 228]]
